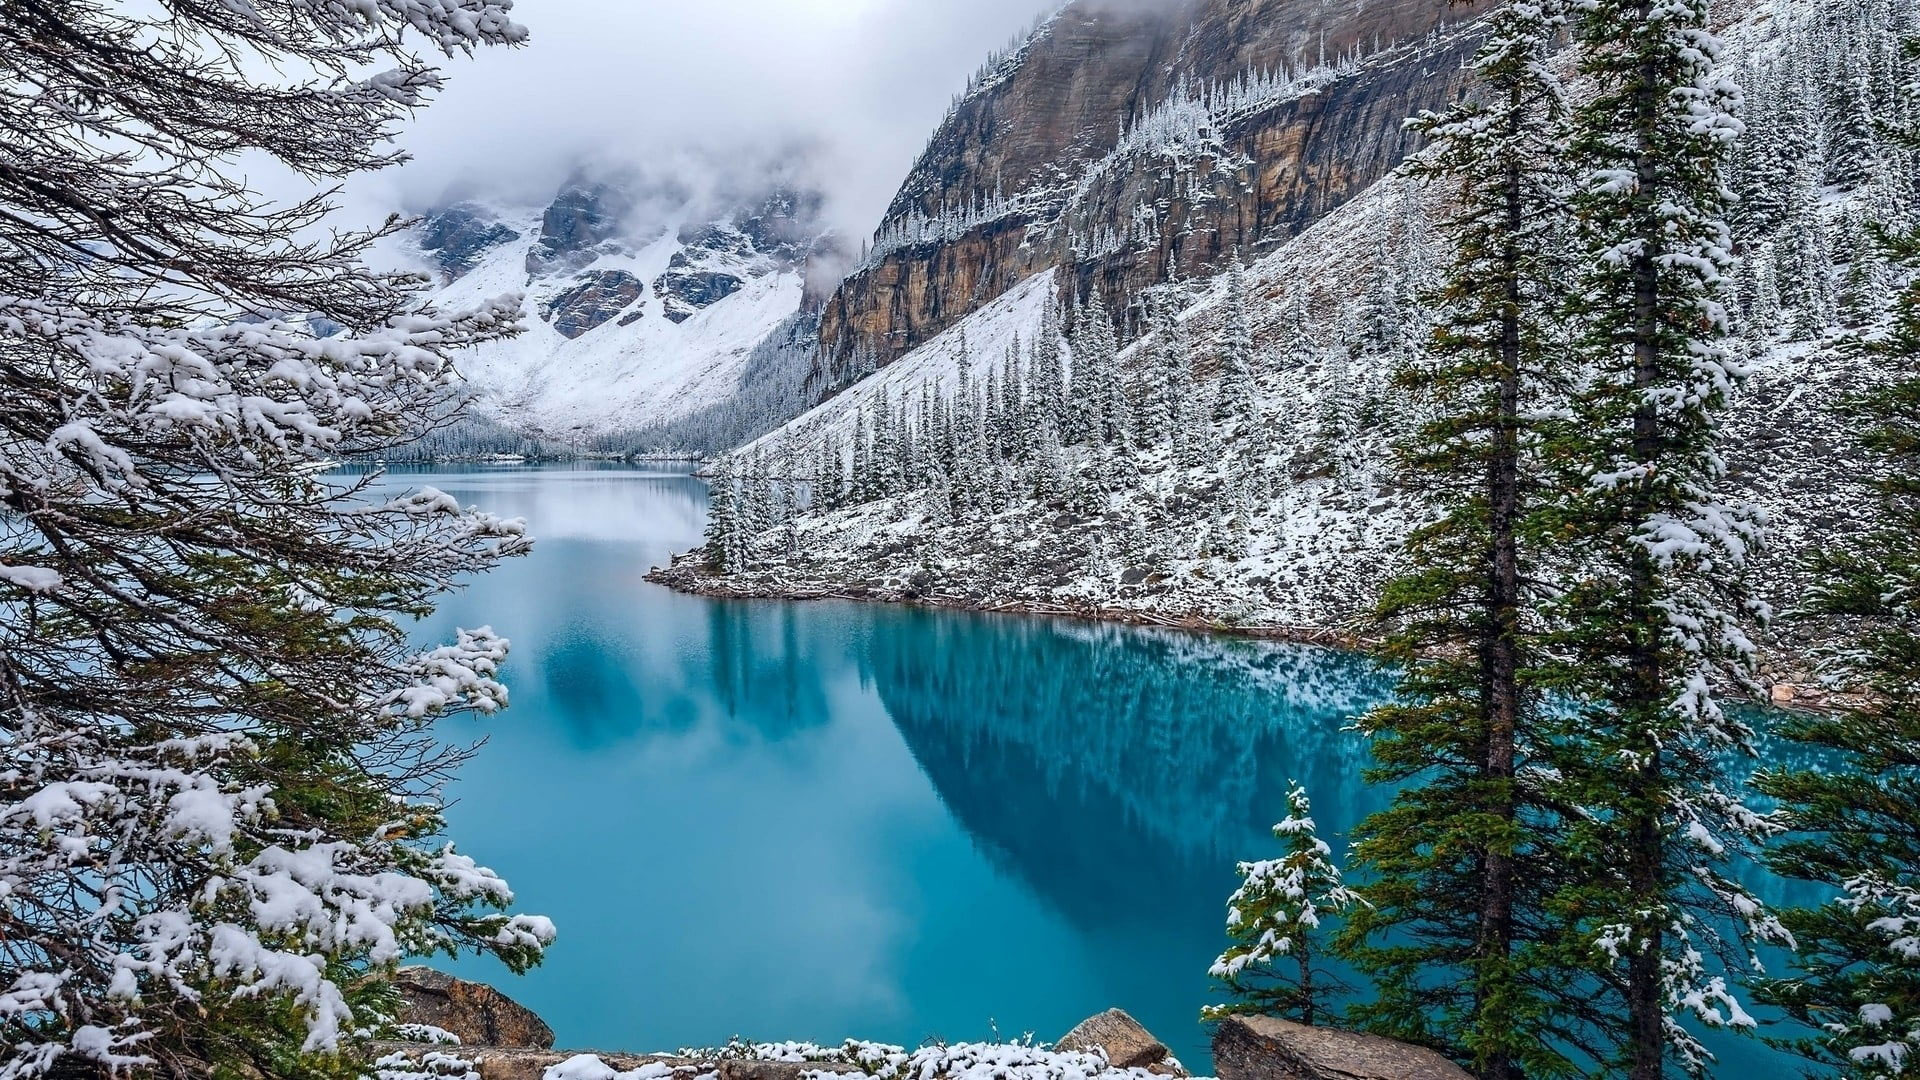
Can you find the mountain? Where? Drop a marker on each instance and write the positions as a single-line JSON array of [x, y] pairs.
[[1134, 143], [954, 473], [645, 302], [1125, 143]]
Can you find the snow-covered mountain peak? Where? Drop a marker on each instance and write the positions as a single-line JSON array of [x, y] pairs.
[[642, 298]]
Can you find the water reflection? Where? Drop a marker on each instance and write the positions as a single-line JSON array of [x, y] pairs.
[[1096, 761], [822, 820]]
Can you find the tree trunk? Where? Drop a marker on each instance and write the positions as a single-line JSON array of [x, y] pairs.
[[1305, 960], [1500, 653]]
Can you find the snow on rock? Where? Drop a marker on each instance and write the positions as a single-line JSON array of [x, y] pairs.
[[636, 313], [940, 1061], [987, 334]]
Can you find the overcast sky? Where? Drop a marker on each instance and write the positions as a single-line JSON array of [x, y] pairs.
[[645, 80]]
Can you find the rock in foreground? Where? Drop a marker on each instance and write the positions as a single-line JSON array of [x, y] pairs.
[[1126, 1044], [477, 1014], [1266, 1048]]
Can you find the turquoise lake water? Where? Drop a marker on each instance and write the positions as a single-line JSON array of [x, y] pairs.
[[822, 820]]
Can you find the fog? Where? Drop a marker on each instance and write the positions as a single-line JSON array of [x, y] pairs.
[[714, 92]]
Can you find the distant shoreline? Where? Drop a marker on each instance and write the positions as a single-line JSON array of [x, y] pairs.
[[685, 575]]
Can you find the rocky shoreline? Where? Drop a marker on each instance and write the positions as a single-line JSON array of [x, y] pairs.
[[451, 1029]]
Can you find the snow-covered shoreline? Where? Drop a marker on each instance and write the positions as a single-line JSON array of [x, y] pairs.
[[687, 575]]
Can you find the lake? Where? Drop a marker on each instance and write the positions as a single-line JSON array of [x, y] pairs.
[[821, 820]]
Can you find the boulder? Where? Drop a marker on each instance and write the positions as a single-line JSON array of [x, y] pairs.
[[1268, 1048], [1126, 1044], [477, 1014]]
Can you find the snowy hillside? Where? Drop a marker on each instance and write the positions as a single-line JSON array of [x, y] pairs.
[[639, 311], [932, 368], [1278, 504]]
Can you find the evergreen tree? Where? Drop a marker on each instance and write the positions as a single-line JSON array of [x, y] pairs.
[[1163, 394], [1106, 397], [1083, 408], [1047, 392], [1459, 936], [992, 423], [1338, 421], [1851, 154], [1774, 175], [1274, 918], [965, 404], [1235, 401], [835, 476], [863, 490], [220, 775], [722, 524], [1803, 265], [1013, 405], [884, 458], [1652, 614], [1857, 819]]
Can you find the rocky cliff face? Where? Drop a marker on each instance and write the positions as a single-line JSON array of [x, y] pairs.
[[457, 237], [1133, 143]]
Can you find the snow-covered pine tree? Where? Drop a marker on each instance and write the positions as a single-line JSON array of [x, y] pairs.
[[829, 485], [1013, 405], [884, 458], [789, 510], [965, 400], [722, 523], [753, 508], [1083, 407], [1802, 262], [992, 424], [1652, 614], [1856, 819], [219, 812], [1773, 172], [1273, 919], [1337, 412], [1851, 152], [1459, 937], [1233, 403], [1163, 385], [1097, 349], [861, 489], [905, 446], [1047, 379]]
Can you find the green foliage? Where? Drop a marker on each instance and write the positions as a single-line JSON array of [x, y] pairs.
[[1652, 614], [1458, 935], [1274, 918]]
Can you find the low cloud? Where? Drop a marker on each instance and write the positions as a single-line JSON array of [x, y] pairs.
[[842, 92]]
